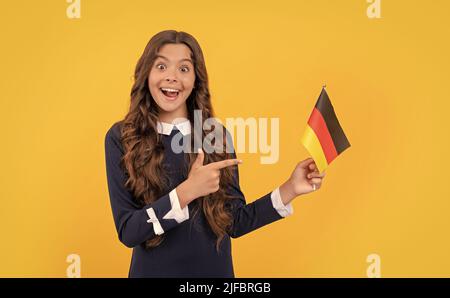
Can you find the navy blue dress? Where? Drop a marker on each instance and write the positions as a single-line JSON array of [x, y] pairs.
[[189, 247]]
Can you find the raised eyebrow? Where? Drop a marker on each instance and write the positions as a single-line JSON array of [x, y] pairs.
[[182, 60]]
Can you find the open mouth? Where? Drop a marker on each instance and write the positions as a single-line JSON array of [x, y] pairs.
[[170, 94]]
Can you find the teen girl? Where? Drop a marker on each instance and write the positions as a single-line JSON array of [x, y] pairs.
[[178, 210]]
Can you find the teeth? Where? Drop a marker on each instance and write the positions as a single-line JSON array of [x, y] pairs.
[[170, 90]]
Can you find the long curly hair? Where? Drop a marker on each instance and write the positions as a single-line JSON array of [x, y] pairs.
[[143, 148]]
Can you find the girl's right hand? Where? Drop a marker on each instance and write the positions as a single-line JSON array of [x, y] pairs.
[[202, 179]]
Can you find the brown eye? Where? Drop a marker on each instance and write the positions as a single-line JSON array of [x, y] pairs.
[[160, 66], [185, 69]]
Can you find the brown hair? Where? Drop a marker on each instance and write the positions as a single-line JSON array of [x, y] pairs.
[[143, 149]]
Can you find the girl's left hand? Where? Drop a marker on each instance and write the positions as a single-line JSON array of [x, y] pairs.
[[304, 179]]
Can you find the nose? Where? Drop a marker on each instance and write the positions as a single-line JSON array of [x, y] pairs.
[[171, 79], [171, 76]]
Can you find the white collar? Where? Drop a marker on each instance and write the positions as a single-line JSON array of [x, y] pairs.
[[184, 126]]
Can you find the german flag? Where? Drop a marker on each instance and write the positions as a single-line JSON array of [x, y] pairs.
[[324, 138]]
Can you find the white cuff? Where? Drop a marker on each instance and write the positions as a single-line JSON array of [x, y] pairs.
[[277, 203], [153, 219], [176, 212]]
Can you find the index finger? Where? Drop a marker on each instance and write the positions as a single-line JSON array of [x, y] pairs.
[[224, 163]]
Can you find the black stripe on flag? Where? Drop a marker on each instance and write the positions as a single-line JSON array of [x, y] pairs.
[[325, 107]]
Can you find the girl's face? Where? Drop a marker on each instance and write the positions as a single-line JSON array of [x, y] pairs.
[[171, 80]]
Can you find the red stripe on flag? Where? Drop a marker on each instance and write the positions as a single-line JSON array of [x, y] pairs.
[[317, 123]]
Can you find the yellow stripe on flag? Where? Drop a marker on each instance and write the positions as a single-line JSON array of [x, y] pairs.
[[312, 144]]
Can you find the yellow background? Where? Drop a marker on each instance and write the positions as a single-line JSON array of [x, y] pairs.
[[64, 82]]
